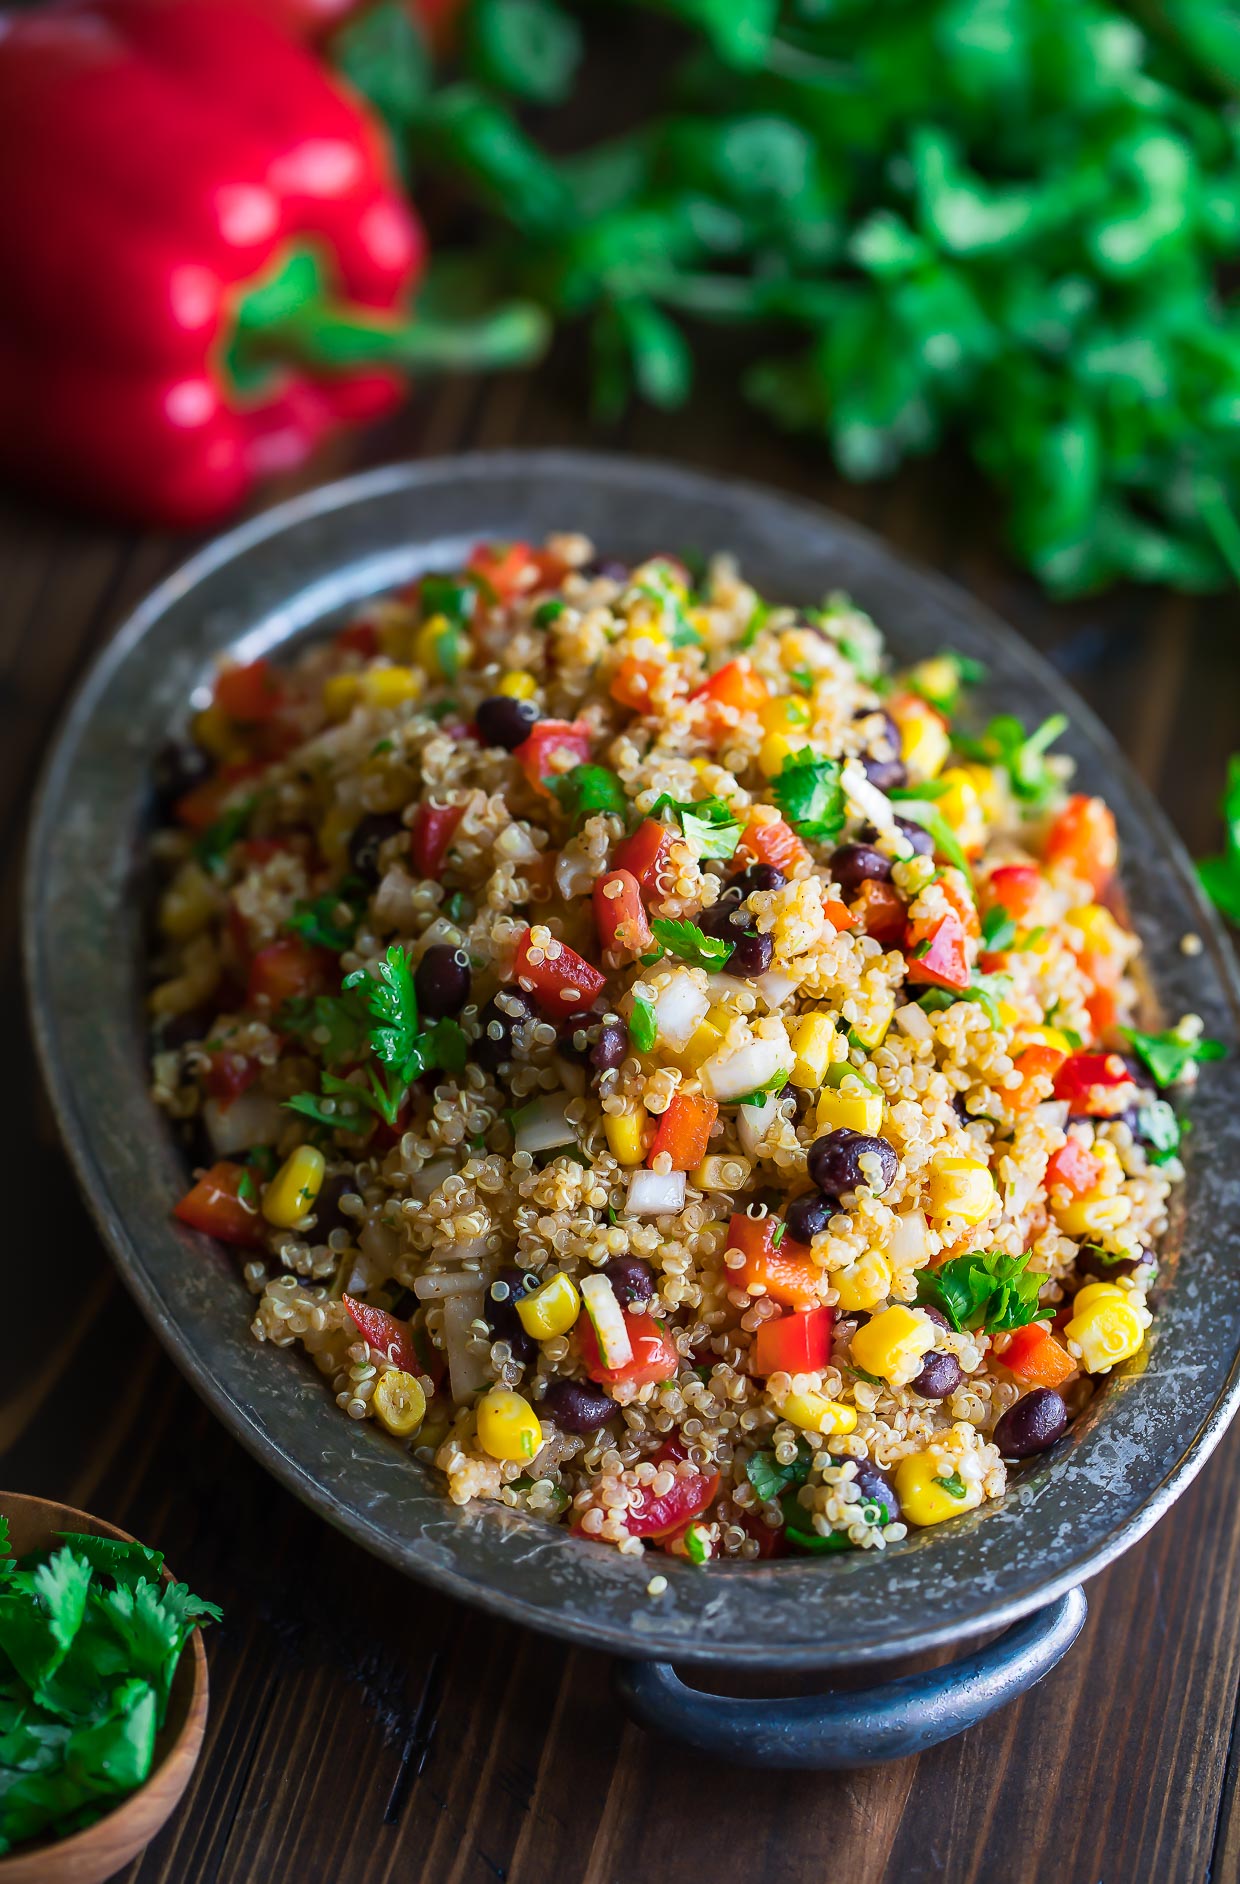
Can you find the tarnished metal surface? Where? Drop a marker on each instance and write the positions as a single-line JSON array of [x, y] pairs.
[[307, 565]]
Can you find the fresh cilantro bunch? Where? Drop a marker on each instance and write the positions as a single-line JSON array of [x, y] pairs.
[[986, 1291], [375, 1018], [90, 1639], [809, 793]]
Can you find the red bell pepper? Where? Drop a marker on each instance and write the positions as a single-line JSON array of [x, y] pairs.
[[1073, 1167], [1083, 838], [248, 693], [881, 910], [204, 257], [662, 1514], [1094, 1083], [655, 1357], [218, 1205], [1036, 1358], [386, 1336], [799, 1343], [1034, 1064], [783, 1270], [684, 1130], [619, 915], [287, 970], [644, 854], [772, 843], [731, 693], [506, 569], [553, 747], [938, 954], [1013, 887], [433, 829], [229, 1075], [561, 986]]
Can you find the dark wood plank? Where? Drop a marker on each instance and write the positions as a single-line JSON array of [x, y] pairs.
[[363, 1729]]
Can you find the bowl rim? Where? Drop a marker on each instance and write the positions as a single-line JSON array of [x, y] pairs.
[[185, 1749], [688, 1640]]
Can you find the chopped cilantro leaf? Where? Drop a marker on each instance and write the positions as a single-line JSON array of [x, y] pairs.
[[809, 793], [689, 943], [1168, 1056], [931, 819], [643, 1026], [710, 826], [985, 1290], [330, 921], [954, 1485], [547, 612], [588, 789], [758, 617], [217, 840], [695, 1548], [770, 1479], [454, 597], [1023, 757], [998, 930], [1220, 876]]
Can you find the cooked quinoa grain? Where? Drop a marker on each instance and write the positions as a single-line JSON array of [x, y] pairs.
[[661, 1068]]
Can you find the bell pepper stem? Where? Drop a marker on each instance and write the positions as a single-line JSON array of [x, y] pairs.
[[331, 339]]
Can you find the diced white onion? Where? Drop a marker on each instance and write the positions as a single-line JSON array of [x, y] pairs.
[[913, 1021], [776, 987], [866, 800], [467, 1370], [251, 1119], [425, 1182], [379, 1246], [754, 1122], [449, 1282], [727, 987], [542, 1126], [679, 1007], [655, 1194], [729, 1075], [908, 1247], [611, 1330]]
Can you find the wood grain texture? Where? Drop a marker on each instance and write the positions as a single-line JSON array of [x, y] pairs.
[[366, 1731]]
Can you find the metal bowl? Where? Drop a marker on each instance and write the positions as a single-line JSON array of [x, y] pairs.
[[304, 567]]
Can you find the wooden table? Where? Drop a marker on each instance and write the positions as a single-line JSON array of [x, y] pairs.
[[363, 1728]]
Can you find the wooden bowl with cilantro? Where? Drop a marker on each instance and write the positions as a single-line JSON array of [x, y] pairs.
[[103, 1693]]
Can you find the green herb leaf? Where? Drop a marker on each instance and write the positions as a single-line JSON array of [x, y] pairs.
[[809, 793], [643, 1026], [214, 844], [1023, 757], [931, 819], [954, 1485], [775, 1083], [1160, 1131], [988, 1290], [1168, 1056], [710, 826], [330, 921], [695, 1549], [689, 943], [548, 612], [588, 789], [998, 930], [770, 1479]]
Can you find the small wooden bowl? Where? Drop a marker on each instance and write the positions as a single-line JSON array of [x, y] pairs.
[[106, 1847]]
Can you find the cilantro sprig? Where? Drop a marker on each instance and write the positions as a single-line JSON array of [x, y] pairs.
[[689, 943], [330, 921], [588, 789], [709, 825], [1168, 1056], [1021, 755], [90, 1639], [1220, 876], [809, 793], [984, 1290]]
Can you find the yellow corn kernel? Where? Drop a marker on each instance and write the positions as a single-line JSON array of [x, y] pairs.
[[213, 731], [985, 782], [814, 1413], [186, 906], [1094, 1214], [864, 1283], [924, 1499], [961, 807], [391, 686], [334, 833], [518, 686], [855, 1109], [625, 1135], [291, 1193], [722, 1171], [875, 1018], [783, 715], [1104, 940], [811, 1038], [775, 748], [892, 1343], [961, 1187], [1009, 1016], [938, 678], [508, 1426], [705, 1039], [924, 740], [1105, 1328], [399, 1402], [341, 693], [1045, 1037], [550, 1310]]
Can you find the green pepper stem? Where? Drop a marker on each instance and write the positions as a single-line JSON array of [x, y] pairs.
[[336, 339]]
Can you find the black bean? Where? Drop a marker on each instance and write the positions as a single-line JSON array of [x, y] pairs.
[[631, 1279], [808, 1216], [441, 980], [609, 566], [494, 1044], [328, 1215], [752, 956], [855, 864], [940, 1375], [178, 766], [505, 722], [610, 1048], [937, 1316], [835, 1161], [876, 1489], [922, 842], [759, 876], [725, 919], [885, 769], [885, 775], [1092, 1262], [368, 837], [179, 1029], [503, 1319], [577, 1406], [1033, 1424]]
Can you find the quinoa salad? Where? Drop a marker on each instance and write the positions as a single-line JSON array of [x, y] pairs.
[[673, 1073]]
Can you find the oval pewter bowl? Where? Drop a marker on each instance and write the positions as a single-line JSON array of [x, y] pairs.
[[304, 567]]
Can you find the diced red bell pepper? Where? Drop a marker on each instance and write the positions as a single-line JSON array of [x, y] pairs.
[[773, 843], [644, 853], [955, 887], [216, 1206], [385, 1335], [561, 985], [784, 1270], [1103, 1010], [1094, 1083], [799, 1343], [633, 681], [655, 1357], [881, 911], [1013, 887], [684, 1130], [1036, 1358], [287, 970], [1034, 1064], [1083, 837], [249, 692], [261, 850], [938, 954], [554, 746], [1073, 1167], [838, 914], [200, 808], [659, 1515], [229, 1075], [620, 915], [737, 687], [769, 1539], [506, 568], [360, 637], [433, 829]]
